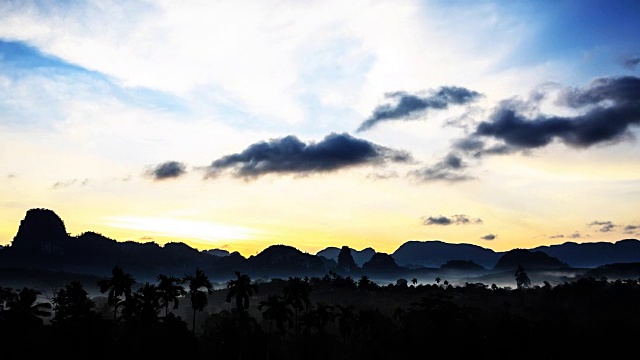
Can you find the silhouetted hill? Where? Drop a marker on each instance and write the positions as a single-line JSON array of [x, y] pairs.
[[435, 253], [530, 260], [42, 243], [462, 265], [359, 256], [381, 263], [590, 255], [216, 252], [41, 231], [615, 271], [284, 261]]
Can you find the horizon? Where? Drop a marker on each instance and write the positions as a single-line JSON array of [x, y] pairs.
[[302, 249], [239, 125]]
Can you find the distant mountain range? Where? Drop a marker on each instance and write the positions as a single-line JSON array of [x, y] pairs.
[[43, 244]]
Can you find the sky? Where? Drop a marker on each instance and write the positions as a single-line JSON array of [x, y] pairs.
[[242, 124]]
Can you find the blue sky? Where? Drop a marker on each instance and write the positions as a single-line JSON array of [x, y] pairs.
[[240, 124]]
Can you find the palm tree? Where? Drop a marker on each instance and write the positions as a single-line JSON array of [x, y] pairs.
[[320, 317], [118, 285], [276, 310], [346, 321], [170, 290], [414, 281], [297, 292], [241, 289], [147, 303], [199, 288], [24, 308]]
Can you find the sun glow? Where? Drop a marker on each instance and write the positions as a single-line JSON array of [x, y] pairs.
[[183, 228]]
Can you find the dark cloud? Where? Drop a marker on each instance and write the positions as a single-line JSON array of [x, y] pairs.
[[630, 229], [289, 155], [455, 219], [605, 226], [67, 183], [612, 106], [448, 169], [631, 62], [408, 105], [575, 235], [167, 170], [489, 237]]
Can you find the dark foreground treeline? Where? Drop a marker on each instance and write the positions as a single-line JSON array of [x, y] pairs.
[[333, 317]]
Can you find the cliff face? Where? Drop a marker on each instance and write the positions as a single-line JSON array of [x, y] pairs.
[[41, 231]]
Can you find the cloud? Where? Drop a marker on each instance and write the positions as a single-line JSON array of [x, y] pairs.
[[447, 169], [630, 229], [67, 183], [408, 105], [455, 219], [575, 235], [605, 226], [167, 170], [631, 62], [612, 105], [289, 155], [489, 237]]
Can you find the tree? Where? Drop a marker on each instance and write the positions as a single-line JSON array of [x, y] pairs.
[[25, 310], [147, 304], [6, 295], [278, 310], [199, 288], [241, 289], [170, 290], [297, 292], [438, 280], [366, 284], [118, 285], [72, 303], [347, 319], [522, 279], [414, 281]]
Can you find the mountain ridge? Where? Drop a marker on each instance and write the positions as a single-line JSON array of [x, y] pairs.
[[43, 243]]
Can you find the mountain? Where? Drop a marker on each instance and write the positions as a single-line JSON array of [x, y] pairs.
[[216, 252], [435, 253], [381, 263], [615, 271], [359, 256], [591, 255], [529, 260], [285, 261], [43, 244]]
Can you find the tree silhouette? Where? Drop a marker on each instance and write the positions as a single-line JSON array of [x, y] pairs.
[[72, 303], [170, 290], [297, 292], [147, 304], [6, 294], [347, 319], [241, 289], [278, 310], [522, 279], [438, 280], [319, 317], [25, 309], [414, 281], [118, 285], [199, 288]]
